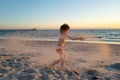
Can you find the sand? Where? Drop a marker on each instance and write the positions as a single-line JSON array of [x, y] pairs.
[[30, 60]]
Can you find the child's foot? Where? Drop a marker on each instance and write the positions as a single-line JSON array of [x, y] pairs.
[[51, 66], [65, 68]]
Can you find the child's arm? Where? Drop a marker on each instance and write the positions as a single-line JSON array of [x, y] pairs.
[[74, 38]]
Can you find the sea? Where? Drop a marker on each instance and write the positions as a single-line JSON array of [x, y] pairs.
[[107, 36]]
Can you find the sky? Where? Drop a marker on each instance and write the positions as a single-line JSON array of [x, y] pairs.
[[50, 14]]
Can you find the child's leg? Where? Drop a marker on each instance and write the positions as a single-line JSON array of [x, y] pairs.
[[61, 59], [56, 62]]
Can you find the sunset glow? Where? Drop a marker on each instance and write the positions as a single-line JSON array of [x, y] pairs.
[[50, 14]]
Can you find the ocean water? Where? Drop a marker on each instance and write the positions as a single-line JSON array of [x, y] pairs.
[[111, 36]]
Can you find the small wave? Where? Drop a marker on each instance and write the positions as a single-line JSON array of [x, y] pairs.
[[115, 38]]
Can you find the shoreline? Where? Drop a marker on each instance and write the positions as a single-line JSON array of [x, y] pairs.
[[71, 41]]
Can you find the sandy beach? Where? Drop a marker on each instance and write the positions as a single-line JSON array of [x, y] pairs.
[[30, 60]]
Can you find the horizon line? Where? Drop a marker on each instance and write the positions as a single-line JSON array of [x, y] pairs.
[[58, 29]]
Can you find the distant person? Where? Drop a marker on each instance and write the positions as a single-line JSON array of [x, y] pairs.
[[64, 29]]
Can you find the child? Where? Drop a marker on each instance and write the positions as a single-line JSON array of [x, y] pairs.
[[64, 29]]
